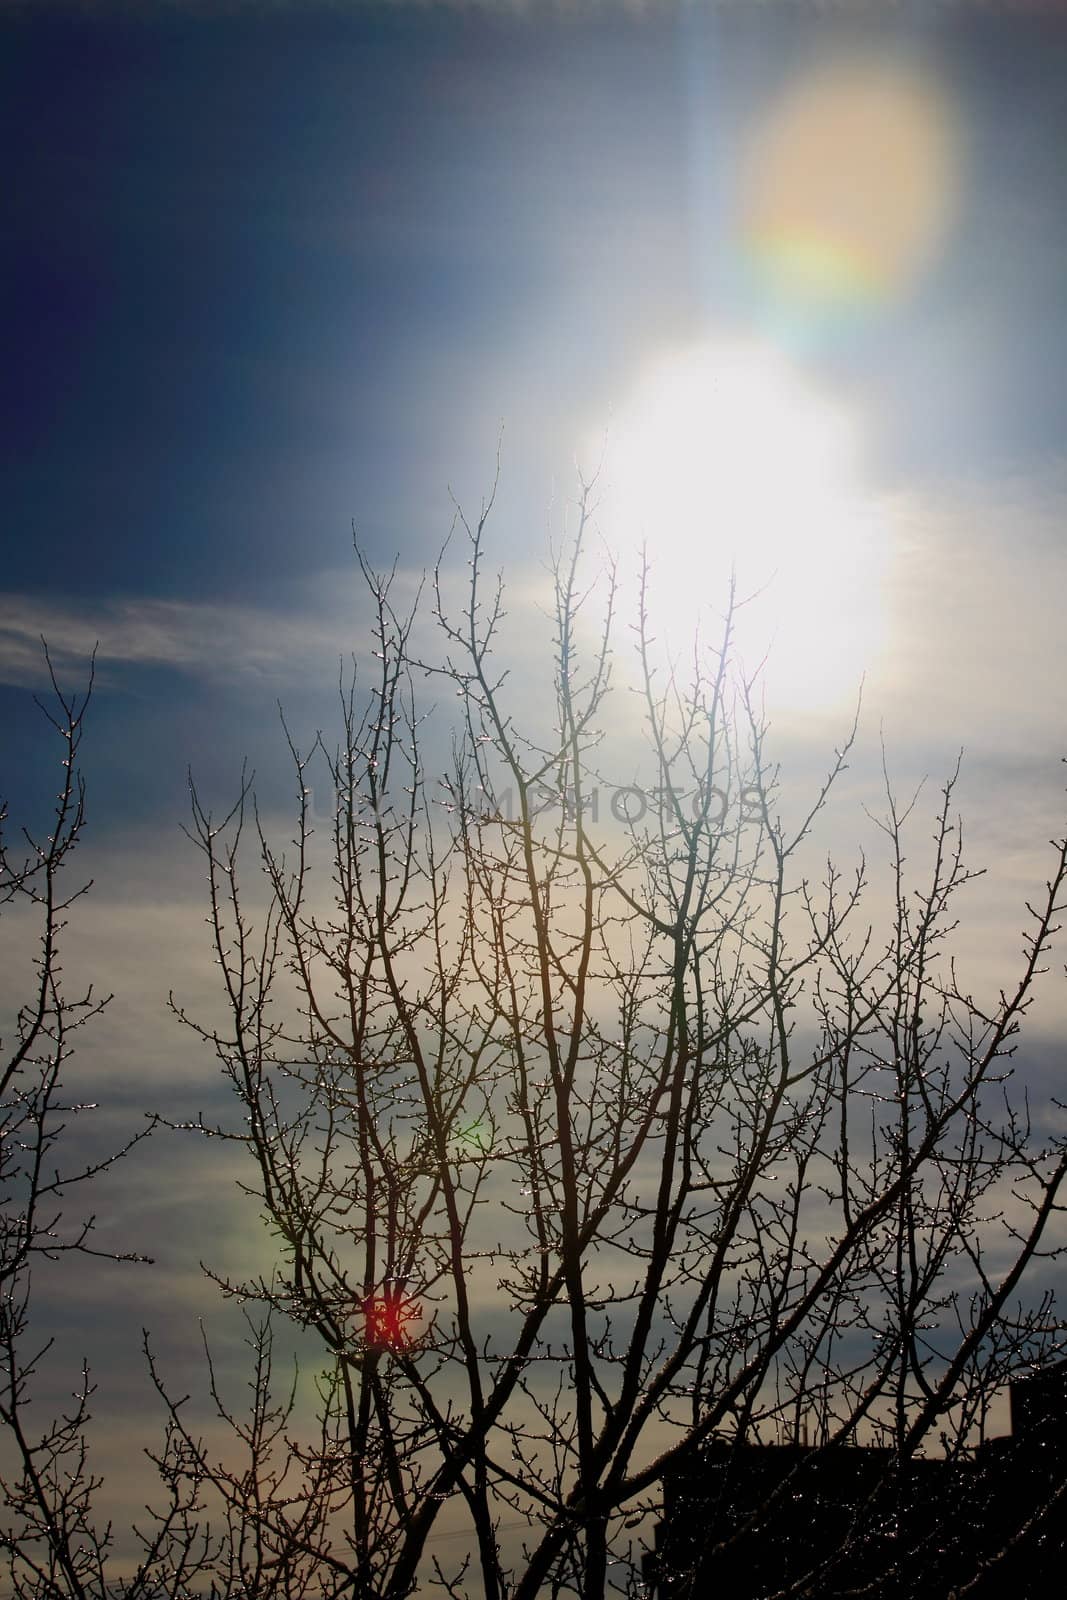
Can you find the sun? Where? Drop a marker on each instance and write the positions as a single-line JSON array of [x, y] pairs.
[[722, 460]]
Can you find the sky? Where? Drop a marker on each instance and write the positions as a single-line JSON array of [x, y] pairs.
[[276, 272]]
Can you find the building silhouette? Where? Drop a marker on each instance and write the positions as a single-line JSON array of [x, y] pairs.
[[746, 1521]]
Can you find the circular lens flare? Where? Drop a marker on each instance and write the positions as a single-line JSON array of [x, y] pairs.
[[389, 1321], [847, 191]]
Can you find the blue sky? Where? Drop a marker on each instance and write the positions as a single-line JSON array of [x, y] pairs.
[[270, 270], [283, 267]]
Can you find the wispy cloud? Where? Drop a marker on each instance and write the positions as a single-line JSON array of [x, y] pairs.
[[508, 8], [976, 652], [204, 639]]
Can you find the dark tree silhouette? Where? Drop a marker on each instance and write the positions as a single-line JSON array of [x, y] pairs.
[[588, 1139], [592, 1126], [47, 1524]]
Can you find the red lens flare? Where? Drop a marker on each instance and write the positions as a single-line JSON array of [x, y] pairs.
[[387, 1321]]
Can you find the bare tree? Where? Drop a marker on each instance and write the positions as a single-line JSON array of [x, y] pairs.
[[590, 1134], [58, 1547], [48, 1528], [595, 1125]]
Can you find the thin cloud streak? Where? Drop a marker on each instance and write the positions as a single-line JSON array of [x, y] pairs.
[[206, 640]]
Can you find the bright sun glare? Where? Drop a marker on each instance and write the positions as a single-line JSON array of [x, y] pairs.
[[724, 458]]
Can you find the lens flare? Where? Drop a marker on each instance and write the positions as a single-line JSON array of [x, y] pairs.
[[475, 1138], [388, 1321], [848, 192]]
